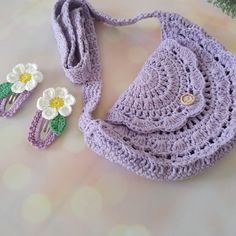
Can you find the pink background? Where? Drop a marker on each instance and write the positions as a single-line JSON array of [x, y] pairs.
[[69, 190]]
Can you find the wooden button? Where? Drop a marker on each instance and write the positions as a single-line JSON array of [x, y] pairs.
[[187, 99]]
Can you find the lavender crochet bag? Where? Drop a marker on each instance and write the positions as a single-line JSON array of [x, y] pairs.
[[177, 118]]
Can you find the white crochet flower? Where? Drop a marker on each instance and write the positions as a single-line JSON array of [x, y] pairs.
[[54, 102], [24, 77]]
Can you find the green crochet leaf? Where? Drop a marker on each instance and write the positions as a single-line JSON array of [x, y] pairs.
[[58, 125], [5, 89]]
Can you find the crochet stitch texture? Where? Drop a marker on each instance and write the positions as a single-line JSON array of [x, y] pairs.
[[148, 130]]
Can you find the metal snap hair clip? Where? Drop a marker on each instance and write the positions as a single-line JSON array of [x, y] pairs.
[[20, 83], [50, 121]]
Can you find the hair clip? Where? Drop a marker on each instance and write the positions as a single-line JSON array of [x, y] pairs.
[[20, 83], [49, 121]]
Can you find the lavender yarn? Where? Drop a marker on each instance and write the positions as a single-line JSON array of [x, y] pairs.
[[148, 130], [35, 130], [15, 106]]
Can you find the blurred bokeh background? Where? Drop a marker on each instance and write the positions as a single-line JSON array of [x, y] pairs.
[[67, 190]]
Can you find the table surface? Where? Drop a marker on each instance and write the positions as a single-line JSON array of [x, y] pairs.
[[69, 190]]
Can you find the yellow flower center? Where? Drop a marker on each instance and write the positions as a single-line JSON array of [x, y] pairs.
[[56, 103], [25, 77]]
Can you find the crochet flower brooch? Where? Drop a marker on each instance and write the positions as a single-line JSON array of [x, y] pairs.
[[22, 78], [55, 105]]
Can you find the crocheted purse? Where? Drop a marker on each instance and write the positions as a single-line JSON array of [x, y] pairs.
[[178, 116]]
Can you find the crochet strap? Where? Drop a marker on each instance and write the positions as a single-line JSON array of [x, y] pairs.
[[74, 29]]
